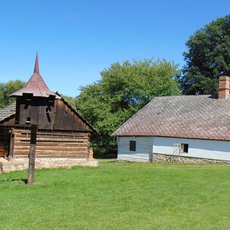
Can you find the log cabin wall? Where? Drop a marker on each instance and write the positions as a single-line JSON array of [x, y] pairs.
[[52, 144]]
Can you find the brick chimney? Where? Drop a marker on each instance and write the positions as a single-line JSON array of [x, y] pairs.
[[224, 87]]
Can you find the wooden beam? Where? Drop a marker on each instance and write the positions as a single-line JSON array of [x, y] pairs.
[[12, 143], [32, 154]]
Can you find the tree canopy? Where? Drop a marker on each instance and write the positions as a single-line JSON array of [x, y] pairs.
[[122, 91], [6, 89], [207, 58]]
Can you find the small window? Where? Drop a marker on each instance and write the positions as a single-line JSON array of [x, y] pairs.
[[28, 120], [184, 148], [132, 146]]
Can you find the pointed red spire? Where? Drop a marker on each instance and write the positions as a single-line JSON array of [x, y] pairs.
[[36, 66], [36, 85]]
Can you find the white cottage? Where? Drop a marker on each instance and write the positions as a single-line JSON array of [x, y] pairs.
[[179, 127]]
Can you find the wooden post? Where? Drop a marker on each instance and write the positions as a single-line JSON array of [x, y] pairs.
[[12, 142], [90, 153], [33, 137]]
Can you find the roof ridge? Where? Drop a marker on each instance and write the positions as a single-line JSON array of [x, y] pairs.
[[203, 95]]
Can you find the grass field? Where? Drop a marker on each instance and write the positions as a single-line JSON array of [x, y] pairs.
[[118, 196]]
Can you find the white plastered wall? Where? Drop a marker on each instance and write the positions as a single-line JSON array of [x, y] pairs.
[[210, 149], [144, 146]]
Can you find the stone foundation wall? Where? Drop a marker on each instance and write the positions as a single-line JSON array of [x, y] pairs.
[[157, 157], [22, 163]]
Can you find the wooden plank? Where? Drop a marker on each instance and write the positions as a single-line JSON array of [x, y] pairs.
[[32, 153], [58, 141], [55, 140], [51, 156], [58, 144], [24, 138], [50, 144], [55, 156], [25, 131], [54, 134], [51, 150], [26, 151], [12, 142], [27, 136], [54, 149]]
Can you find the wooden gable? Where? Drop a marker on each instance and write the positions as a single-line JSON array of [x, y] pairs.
[[49, 115], [66, 118], [35, 110]]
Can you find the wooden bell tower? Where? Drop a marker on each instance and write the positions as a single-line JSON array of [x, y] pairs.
[[35, 102]]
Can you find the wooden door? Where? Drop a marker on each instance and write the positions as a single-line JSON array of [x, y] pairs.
[[4, 142], [2, 146]]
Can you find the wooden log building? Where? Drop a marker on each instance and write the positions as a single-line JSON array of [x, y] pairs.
[[62, 132]]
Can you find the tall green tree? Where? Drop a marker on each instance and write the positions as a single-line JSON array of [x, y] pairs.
[[122, 91], [207, 58], [6, 89]]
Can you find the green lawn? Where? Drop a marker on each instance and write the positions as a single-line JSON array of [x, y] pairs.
[[118, 196]]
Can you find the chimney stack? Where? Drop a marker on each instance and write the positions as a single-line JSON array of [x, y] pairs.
[[224, 87]]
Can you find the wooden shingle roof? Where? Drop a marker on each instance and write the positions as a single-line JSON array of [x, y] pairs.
[[198, 117], [7, 112]]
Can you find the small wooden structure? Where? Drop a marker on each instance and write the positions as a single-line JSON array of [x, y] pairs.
[[62, 132]]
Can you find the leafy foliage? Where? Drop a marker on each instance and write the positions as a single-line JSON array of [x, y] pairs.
[[207, 58], [70, 100], [121, 92], [6, 89]]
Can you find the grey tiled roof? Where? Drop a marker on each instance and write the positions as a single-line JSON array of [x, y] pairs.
[[201, 117], [7, 111]]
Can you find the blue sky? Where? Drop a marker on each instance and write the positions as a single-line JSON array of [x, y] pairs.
[[77, 39]]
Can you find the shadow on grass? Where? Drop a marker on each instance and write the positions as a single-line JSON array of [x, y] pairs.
[[105, 155], [107, 160], [11, 180]]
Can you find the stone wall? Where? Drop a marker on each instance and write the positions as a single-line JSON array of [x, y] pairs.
[[157, 157], [22, 163]]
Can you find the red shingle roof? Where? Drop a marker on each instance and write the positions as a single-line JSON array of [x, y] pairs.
[[35, 85], [199, 117]]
